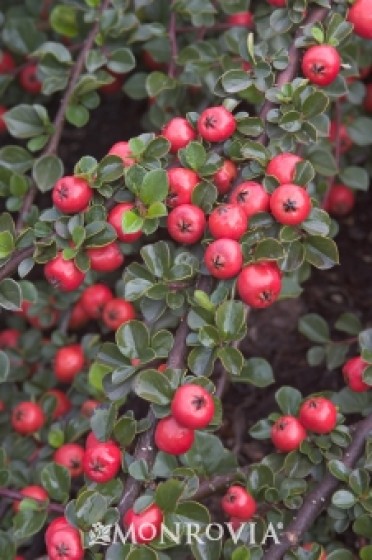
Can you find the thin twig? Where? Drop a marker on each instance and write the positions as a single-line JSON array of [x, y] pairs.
[[14, 495]]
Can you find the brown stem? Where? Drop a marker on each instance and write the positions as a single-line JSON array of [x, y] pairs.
[[14, 495], [219, 483], [14, 261], [318, 498], [59, 120]]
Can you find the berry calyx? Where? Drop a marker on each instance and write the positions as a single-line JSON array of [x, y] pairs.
[[107, 258], [228, 221], [182, 182], [173, 438], [27, 418], [216, 124], [116, 312], [192, 406], [179, 133], [318, 415], [102, 462], [71, 195], [115, 218], [321, 64], [239, 503], [251, 197], [94, 299], [290, 204], [63, 274], [68, 362], [353, 371], [224, 258], [186, 223], [146, 525], [259, 284], [71, 456], [283, 167], [287, 433]]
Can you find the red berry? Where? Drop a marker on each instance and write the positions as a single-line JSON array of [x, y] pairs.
[[310, 546], [63, 274], [186, 223], [181, 184], [92, 441], [228, 221], [251, 197], [241, 19], [33, 491], [122, 150], [115, 85], [107, 258], [29, 80], [55, 525], [71, 456], [3, 127], [259, 284], [283, 167], [94, 299], [88, 407], [321, 64], [146, 525], [162, 368], [224, 177], [277, 3], [224, 258], [238, 503], [150, 62], [339, 133], [78, 317], [102, 462], [290, 204], [173, 438], [216, 124], [7, 63], [3, 405], [65, 544], [71, 195], [192, 406], [135, 362], [360, 15], [62, 405], [353, 371], [340, 200], [116, 312], [9, 338], [368, 99], [27, 418], [115, 218], [179, 133], [68, 362], [287, 433], [318, 415]]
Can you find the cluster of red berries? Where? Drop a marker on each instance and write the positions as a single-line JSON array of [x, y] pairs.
[[317, 414], [192, 408], [353, 371]]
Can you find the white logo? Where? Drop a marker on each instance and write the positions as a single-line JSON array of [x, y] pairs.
[[100, 534]]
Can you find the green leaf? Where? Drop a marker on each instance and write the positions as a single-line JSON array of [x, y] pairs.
[[28, 522], [157, 258], [15, 158], [360, 131], [317, 223], [6, 244], [204, 195], [314, 327], [323, 162], [125, 430], [56, 481], [261, 430], [63, 20], [78, 115], [363, 525], [157, 82], [121, 61], [152, 387], [315, 355], [201, 361], [142, 553], [131, 222], [230, 320], [355, 177], [168, 493], [133, 340], [269, 249], [359, 481], [234, 81], [103, 421], [349, 323], [256, 371], [110, 169], [154, 187], [24, 121], [289, 400], [10, 295], [194, 155], [90, 507], [315, 104], [339, 470], [343, 499], [366, 552], [321, 252], [204, 548], [232, 360], [46, 172], [255, 151]]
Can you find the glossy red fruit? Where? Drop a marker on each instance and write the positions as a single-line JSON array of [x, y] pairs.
[[283, 167], [56, 525], [115, 218], [27, 418], [367, 104], [135, 362], [92, 441], [224, 177], [277, 3], [310, 546], [3, 127], [321, 64], [259, 284], [173, 438], [287, 433], [63, 274], [68, 362], [186, 223], [102, 462], [71, 456], [228, 221], [88, 407], [340, 132], [122, 150], [318, 415], [65, 544], [62, 404], [251, 197], [146, 525], [7, 63], [107, 258], [224, 258], [216, 124], [115, 86], [192, 406], [360, 15], [162, 368], [290, 204], [9, 338], [71, 195], [182, 182], [78, 317], [340, 200], [33, 491], [353, 371], [94, 298], [240, 19], [179, 133], [239, 503], [116, 312], [29, 80]]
